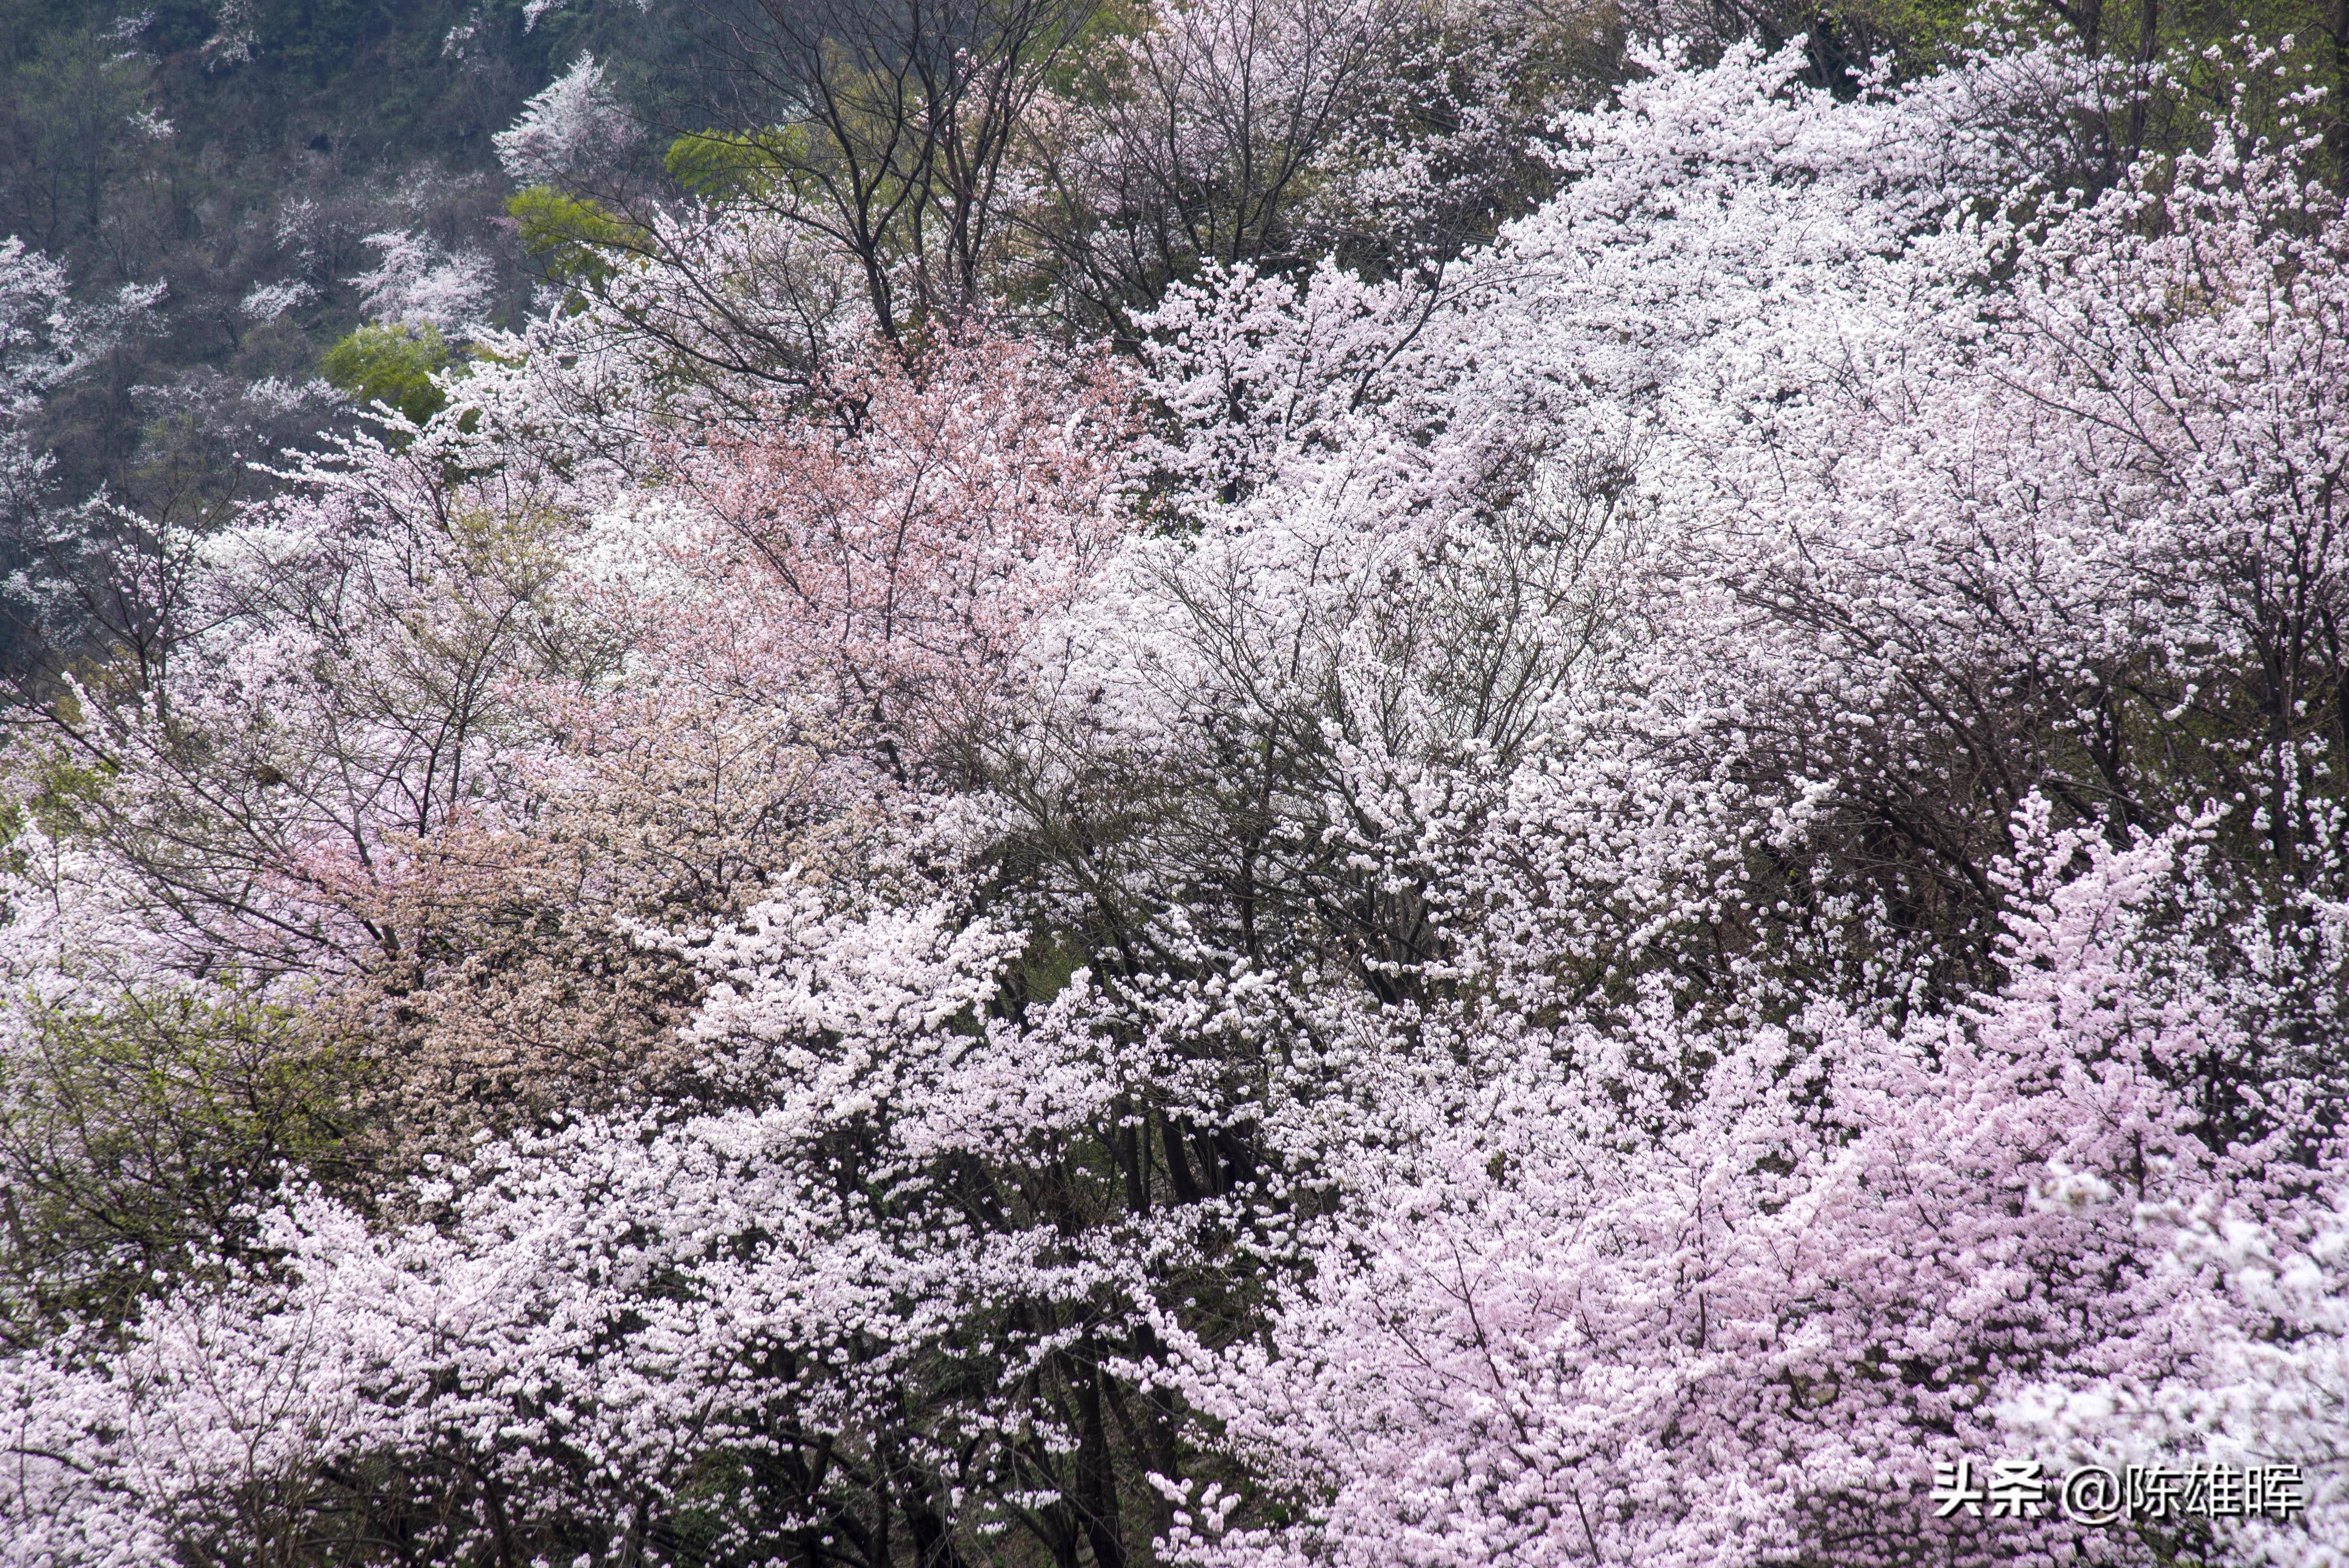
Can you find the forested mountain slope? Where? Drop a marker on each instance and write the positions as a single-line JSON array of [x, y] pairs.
[[1247, 783], [234, 161]]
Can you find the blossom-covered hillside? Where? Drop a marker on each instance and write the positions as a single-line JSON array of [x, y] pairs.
[[1047, 851]]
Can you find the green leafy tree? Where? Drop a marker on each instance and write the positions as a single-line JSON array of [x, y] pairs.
[[136, 1136], [392, 363]]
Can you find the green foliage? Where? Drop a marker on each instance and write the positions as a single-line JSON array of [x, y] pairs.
[[65, 123], [1077, 73], [1921, 34], [63, 792], [136, 1136], [394, 365], [570, 237], [730, 165], [1046, 969]]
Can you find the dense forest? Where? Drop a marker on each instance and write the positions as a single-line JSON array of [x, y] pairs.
[[1241, 783]]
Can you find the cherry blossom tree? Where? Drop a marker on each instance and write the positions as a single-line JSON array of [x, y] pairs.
[[570, 129], [890, 549], [1634, 1316]]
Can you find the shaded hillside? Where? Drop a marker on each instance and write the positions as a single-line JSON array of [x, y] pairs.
[[241, 154]]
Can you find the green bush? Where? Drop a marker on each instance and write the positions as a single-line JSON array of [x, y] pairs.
[[137, 1137], [394, 365], [570, 236]]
